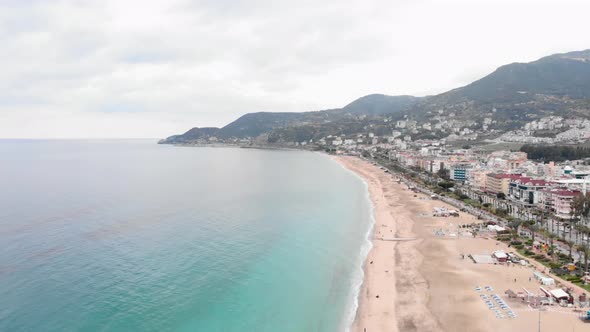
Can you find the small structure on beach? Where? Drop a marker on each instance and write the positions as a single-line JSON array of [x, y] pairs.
[[559, 294], [543, 279], [500, 256], [444, 212], [483, 259], [496, 228]]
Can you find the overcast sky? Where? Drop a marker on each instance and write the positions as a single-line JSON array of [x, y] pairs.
[[143, 68]]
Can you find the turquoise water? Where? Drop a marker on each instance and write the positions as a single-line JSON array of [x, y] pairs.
[[134, 236]]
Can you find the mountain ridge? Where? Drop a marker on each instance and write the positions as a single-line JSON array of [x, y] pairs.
[[511, 93]]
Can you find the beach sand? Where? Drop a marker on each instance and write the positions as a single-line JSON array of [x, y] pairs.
[[424, 284]]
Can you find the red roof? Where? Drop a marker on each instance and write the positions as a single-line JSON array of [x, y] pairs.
[[538, 182], [506, 176], [530, 181], [567, 193], [534, 182]]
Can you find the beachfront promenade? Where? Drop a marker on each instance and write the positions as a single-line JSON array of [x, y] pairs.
[[486, 215]]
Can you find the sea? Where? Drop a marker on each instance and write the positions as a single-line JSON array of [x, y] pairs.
[[129, 235]]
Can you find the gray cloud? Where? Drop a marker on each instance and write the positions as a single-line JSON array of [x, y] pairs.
[[112, 68]]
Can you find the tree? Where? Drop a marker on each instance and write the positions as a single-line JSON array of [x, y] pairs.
[[570, 245], [502, 212], [580, 208], [461, 195], [584, 249], [556, 153], [514, 224], [579, 205], [579, 229], [501, 195], [544, 220], [446, 185], [443, 173], [551, 247], [533, 227]]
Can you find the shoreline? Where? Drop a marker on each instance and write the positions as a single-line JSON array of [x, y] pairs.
[[237, 145], [427, 283], [365, 250], [371, 314]]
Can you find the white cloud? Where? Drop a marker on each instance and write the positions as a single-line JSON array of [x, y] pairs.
[[155, 68]]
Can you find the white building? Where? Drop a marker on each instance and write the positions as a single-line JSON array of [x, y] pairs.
[[349, 142]]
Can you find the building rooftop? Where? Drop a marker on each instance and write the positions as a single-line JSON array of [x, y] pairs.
[[505, 176], [567, 193], [530, 181]]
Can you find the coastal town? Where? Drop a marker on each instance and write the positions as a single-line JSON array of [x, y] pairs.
[[536, 209], [525, 189], [501, 179], [479, 164], [542, 196]]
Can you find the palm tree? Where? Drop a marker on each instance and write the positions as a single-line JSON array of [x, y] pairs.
[[544, 234], [580, 208], [570, 245], [514, 224], [585, 230], [533, 227], [563, 225], [551, 247], [584, 250], [542, 219], [573, 224], [579, 229]]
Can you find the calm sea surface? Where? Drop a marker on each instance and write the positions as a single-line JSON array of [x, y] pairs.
[[135, 236]]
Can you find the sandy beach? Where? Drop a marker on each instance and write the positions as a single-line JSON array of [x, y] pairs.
[[416, 280]]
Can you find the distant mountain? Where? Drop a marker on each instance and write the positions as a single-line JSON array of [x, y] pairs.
[[512, 95], [562, 75], [378, 104], [255, 124], [519, 92]]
